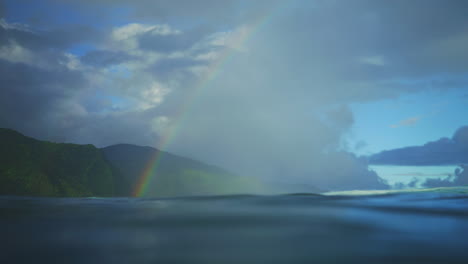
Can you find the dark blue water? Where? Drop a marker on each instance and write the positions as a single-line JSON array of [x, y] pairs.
[[413, 227]]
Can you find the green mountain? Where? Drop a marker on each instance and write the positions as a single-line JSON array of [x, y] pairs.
[[40, 168], [172, 175]]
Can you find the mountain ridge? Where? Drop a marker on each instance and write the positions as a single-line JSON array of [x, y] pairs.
[[42, 168]]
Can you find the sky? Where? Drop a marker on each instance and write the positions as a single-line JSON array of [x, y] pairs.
[[288, 90], [411, 119]]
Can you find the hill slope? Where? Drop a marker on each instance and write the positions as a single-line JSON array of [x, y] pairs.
[[39, 168], [174, 175]]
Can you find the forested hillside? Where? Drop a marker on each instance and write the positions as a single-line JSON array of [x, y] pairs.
[[32, 167], [39, 168]]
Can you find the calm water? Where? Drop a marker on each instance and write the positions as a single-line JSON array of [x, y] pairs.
[[410, 227]]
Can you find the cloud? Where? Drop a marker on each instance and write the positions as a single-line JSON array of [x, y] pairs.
[[407, 122], [353, 175], [46, 40], [225, 11], [419, 174], [445, 151], [31, 104], [128, 37], [460, 178], [104, 58], [172, 41], [102, 97], [373, 60], [45, 92], [361, 144]]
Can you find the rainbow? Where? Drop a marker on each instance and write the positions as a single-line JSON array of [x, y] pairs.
[[210, 74]]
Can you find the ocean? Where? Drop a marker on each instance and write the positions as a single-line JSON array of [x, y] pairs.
[[411, 226]]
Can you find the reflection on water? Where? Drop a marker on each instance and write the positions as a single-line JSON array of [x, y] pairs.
[[405, 227]]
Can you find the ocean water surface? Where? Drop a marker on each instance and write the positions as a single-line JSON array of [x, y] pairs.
[[414, 226]]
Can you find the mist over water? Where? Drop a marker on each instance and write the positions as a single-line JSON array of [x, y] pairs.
[[427, 226]]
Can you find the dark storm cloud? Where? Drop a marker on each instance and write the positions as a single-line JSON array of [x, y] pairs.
[[444, 151], [414, 39], [23, 36], [44, 105], [103, 58], [165, 67], [2, 10], [37, 85], [427, 37], [29, 96], [55, 40], [376, 42], [201, 10]]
